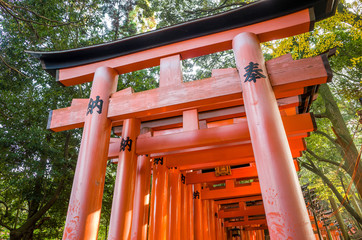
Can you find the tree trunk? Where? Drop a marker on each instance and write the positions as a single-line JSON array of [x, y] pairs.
[[344, 139]]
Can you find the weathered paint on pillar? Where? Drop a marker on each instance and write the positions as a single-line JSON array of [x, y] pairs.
[[159, 214], [198, 227], [284, 205], [122, 204], [141, 199], [152, 204], [86, 198], [174, 210], [184, 221], [205, 219], [190, 213], [212, 220]]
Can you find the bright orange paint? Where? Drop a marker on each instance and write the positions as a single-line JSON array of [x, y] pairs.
[[141, 199], [122, 204], [87, 191], [282, 196]]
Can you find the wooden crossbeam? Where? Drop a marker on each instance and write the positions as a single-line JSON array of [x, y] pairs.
[[244, 172], [210, 116], [231, 191], [296, 124], [172, 100], [236, 200], [289, 25], [245, 223], [212, 157], [242, 212]]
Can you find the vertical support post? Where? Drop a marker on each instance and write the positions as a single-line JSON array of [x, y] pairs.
[[190, 212], [212, 220], [282, 196], [141, 199], [184, 220], [205, 219], [152, 203], [174, 209], [198, 227], [122, 204], [86, 198], [191, 122], [159, 214]]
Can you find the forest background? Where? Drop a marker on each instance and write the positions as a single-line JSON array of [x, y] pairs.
[[37, 166]]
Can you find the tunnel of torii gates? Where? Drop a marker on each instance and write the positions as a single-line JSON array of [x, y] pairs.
[[221, 150]]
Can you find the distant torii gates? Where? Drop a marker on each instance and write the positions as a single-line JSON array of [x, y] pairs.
[[222, 148]]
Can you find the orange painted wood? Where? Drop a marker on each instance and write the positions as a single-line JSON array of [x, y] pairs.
[[184, 210], [300, 123], [231, 191], [174, 203], [244, 223], [171, 100], [123, 195], [198, 223], [141, 199], [224, 155], [83, 215], [238, 200], [245, 172], [246, 211], [289, 25], [210, 116], [170, 71], [159, 215], [278, 179]]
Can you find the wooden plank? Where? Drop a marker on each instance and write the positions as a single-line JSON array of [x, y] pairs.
[[172, 100], [289, 25], [244, 172], [231, 192], [227, 155], [296, 124], [210, 116], [244, 223], [170, 71], [237, 200], [252, 210]]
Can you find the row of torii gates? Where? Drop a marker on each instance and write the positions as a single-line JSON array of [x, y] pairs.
[[220, 150]]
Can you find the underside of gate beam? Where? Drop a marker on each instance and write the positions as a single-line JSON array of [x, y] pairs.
[[288, 77]]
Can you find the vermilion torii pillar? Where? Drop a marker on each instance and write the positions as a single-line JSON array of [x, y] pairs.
[[159, 210], [174, 209], [141, 199], [122, 204], [285, 209], [87, 191]]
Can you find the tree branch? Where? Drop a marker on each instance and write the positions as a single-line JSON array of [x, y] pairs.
[[335, 191], [221, 6], [332, 140], [319, 158], [12, 68], [320, 115], [32, 220]]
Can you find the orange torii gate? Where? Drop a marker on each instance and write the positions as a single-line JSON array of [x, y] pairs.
[[256, 114]]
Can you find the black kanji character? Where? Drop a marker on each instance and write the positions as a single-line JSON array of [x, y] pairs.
[[126, 142], [197, 195], [158, 160], [253, 72], [183, 178], [93, 104]]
